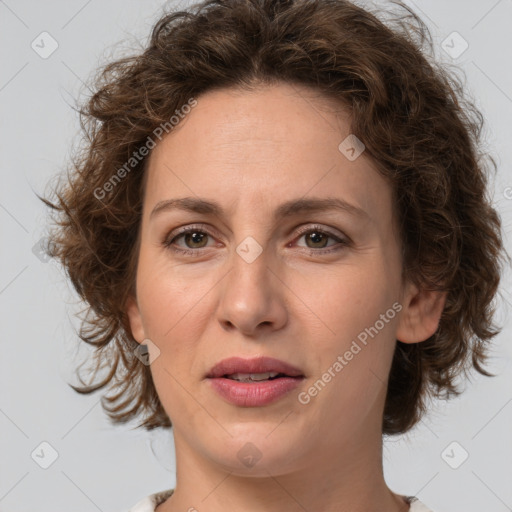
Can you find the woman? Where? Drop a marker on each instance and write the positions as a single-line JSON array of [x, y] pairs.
[[280, 225]]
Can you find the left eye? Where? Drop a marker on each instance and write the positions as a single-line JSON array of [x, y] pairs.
[[317, 236]]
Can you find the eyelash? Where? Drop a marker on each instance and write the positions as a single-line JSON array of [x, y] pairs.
[[168, 242]]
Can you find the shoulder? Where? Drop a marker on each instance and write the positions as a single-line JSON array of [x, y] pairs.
[[149, 503]]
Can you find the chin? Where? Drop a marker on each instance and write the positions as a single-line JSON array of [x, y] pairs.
[[257, 451]]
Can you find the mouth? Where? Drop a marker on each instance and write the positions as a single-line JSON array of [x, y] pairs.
[[253, 370], [254, 382], [255, 377]]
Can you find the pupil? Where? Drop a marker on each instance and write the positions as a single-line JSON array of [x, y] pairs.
[[195, 234], [314, 236]]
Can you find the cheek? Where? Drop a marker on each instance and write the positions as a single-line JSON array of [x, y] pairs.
[[355, 345], [173, 311], [347, 300], [171, 297]]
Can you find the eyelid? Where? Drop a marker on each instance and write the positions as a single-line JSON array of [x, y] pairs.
[[203, 228], [301, 230], [183, 230], [328, 231]]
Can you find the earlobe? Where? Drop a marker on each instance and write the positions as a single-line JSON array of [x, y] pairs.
[[420, 316], [135, 319]]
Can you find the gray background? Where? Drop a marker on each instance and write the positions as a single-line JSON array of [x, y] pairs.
[[107, 468]]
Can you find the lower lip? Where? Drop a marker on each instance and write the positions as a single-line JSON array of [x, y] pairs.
[[254, 394]]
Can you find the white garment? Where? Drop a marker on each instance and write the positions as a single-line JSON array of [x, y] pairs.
[[149, 503]]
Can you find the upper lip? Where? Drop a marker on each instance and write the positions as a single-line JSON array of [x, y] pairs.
[[255, 365]]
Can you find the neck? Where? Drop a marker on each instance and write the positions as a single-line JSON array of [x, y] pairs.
[[344, 479]]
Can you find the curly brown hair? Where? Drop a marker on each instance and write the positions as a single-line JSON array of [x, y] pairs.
[[410, 112]]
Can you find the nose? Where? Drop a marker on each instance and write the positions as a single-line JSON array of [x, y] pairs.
[[252, 297]]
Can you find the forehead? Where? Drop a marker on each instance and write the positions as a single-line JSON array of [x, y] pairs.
[[258, 149]]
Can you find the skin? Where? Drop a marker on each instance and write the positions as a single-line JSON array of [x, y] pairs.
[[252, 151]]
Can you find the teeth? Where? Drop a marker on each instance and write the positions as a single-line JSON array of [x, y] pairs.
[[251, 377]]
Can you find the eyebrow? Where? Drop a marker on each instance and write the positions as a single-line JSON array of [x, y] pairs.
[[287, 209]]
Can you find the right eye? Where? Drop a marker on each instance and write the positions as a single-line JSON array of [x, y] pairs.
[[191, 235]]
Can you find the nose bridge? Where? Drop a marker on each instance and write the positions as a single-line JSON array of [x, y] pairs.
[[252, 250], [250, 295], [249, 268]]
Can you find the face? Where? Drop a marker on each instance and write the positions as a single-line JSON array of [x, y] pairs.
[[305, 286]]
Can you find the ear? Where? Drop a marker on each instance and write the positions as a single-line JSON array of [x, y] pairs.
[[421, 313], [135, 319]]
